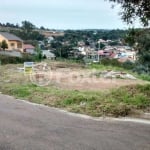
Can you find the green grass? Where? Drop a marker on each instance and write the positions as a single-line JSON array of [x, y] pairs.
[[102, 67], [118, 102], [145, 77]]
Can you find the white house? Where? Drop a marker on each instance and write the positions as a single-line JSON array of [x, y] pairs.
[[48, 54], [28, 48]]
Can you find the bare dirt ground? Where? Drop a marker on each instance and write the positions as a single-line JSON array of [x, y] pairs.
[[83, 80], [72, 76], [77, 77]]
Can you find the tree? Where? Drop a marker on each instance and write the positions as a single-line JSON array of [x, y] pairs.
[[27, 26], [131, 9], [28, 32], [143, 45], [4, 45], [42, 28], [139, 39], [38, 53]]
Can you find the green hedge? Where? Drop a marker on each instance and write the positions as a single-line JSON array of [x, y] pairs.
[[114, 62], [4, 59]]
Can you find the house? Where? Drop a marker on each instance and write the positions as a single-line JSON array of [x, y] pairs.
[[48, 54], [14, 42], [50, 39], [28, 48]]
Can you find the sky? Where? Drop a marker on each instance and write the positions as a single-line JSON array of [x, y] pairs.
[[63, 14]]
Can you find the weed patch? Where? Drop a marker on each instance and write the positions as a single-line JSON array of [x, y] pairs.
[[122, 101]]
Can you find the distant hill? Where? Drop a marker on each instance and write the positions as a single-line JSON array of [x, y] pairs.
[[8, 27]]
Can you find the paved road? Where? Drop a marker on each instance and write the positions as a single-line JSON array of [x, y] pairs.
[[30, 127]]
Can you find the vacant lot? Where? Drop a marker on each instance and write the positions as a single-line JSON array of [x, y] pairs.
[[78, 89]]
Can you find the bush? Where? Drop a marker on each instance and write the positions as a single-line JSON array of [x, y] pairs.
[[5, 59], [112, 62], [9, 59], [28, 57], [128, 65], [145, 77], [141, 69]]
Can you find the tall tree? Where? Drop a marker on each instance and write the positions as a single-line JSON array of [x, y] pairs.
[[4, 45], [131, 9], [27, 26]]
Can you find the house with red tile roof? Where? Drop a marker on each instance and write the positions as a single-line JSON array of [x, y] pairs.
[[28, 48]]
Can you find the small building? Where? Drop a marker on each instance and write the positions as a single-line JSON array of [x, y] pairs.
[[50, 39], [48, 54], [28, 48], [14, 42]]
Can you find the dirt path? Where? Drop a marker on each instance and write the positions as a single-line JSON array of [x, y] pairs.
[[82, 80]]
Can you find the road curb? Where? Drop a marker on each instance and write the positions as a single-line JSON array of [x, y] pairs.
[[104, 118]]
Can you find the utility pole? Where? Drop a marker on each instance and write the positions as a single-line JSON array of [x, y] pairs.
[[98, 50], [60, 52]]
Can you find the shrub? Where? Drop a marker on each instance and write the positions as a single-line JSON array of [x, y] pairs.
[[141, 69], [28, 57], [128, 65], [112, 62], [5, 59], [9, 59], [145, 77]]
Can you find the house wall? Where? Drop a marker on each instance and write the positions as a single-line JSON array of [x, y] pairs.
[[30, 51], [15, 45], [12, 45]]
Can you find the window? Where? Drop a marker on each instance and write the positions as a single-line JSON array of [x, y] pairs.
[[12, 44], [19, 45]]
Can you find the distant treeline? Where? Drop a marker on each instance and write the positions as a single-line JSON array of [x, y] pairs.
[[17, 26], [26, 31], [10, 25], [31, 33], [96, 34]]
